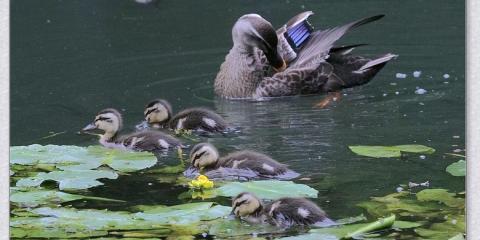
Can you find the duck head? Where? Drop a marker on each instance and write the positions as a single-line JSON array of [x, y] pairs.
[[157, 113], [246, 204], [203, 155], [252, 31], [109, 121]]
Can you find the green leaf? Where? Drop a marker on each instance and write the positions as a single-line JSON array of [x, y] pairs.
[[185, 213], [458, 169], [375, 151], [444, 230], [223, 228], [379, 224], [81, 158], [180, 220], [345, 231], [457, 237], [441, 195], [123, 161], [351, 220], [39, 197], [390, 151], [405, 224], [270, 189], [73, 180]]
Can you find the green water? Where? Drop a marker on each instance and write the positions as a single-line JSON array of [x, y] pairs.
[[70, 59]]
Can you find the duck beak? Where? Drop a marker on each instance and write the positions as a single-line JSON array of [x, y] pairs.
[[142, 125], [88, 128], [282, 68], [275, 60]]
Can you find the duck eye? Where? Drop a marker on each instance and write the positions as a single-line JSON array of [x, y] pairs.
[[104, 119], [150, 111]]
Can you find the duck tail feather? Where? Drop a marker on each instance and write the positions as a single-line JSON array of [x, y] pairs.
[[346, 49], [317, 48], [375, 62]]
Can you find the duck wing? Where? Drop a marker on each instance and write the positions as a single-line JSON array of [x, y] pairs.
[[356, 70], [318, 46], [294, 81]]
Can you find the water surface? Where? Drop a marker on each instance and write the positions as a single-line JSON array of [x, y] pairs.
[[71, 59]]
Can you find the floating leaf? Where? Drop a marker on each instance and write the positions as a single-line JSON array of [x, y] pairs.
[[351, 220], [440, 195], [458, 169], [405, 224], [74, 179], [379, 224], [185, 213], [444, 230], [222, 228], [457, 237], [81, 158], [270, 189], [390, 151], [39, 197], [345, 231], [180, 220]]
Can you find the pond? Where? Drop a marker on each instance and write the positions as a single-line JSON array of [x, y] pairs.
[[70, 59]]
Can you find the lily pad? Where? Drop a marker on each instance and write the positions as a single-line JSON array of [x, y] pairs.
[[390, 151], [70, 179], [179, 220], [458, 169], [40, 197], [406, 224], [223, 228], [185, 213], [81, 158], [441, 195], [270, 189], [345, 231]]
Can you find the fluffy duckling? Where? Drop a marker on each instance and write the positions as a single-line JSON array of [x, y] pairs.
[[283, 212], [248, 164], [158, 114], [110, 122]]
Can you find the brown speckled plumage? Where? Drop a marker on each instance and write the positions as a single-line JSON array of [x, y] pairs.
[[246, 72]]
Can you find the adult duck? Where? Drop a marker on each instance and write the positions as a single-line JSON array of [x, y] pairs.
[[292, 60]]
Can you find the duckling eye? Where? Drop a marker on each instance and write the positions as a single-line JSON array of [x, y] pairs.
[[151, 110], [104, 119], [199, 155]]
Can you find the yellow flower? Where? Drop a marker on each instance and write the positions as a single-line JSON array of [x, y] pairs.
[[202, 182]]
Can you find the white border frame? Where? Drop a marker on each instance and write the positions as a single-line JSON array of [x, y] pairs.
[[472, 102], [4, 117], [473, 113]]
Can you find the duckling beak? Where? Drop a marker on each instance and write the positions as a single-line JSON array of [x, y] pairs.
[[88, 128], [142, 125]]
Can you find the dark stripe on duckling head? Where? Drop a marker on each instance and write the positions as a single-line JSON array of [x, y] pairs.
[[163, 102], [114, 112], [198, 156], [198, 147]]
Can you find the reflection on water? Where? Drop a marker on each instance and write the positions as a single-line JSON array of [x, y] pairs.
[[71, 59]]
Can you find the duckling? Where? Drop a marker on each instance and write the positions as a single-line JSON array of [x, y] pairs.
[[293, 60], [248, 164], [158, 114], [110, 122], [283, 212]]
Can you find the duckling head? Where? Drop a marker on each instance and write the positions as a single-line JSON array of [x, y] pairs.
[[109, 121], [246, 204], [157, 112], [203, 155], [252, 31]]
